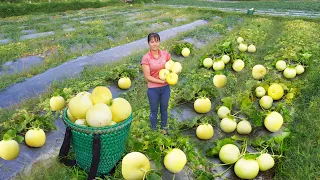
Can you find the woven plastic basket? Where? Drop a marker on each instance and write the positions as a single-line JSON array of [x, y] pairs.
[[112, 143], [250, 11]]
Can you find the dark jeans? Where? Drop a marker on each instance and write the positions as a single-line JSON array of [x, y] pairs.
[[156, 96]]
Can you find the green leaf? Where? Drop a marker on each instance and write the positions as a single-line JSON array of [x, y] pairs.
[[155, 155], [284, 87], [218, 145], [251, 156], [203, 177], [154, 176], [224, 142], [257, 118], [212, 152], [227, 101], [238, 138], [284, 111], [280, 137], [6, 137], [11, 133], [226, 44], [56, 94], [137, 145], [246, 102], [306, 55], [19, 139], [259, 141]]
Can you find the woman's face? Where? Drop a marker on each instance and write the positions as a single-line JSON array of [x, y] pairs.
[[154, 44]]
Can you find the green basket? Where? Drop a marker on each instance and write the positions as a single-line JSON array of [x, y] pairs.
[[250, 12], [112, 143]]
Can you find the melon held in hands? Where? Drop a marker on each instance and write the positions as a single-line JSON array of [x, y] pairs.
[[163, 73], [121, 109], [176, 67], [99, 115], [175, 160], [172, 78], [169, 64]]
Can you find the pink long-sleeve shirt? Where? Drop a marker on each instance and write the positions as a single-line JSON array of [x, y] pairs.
[[155, 65]]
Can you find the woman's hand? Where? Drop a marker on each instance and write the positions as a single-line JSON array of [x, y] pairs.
[[146, 72]]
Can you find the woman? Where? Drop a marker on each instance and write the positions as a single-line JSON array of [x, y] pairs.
[[158, 90]]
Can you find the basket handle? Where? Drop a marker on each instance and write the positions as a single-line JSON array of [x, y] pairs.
[[64, 150], [96, 146]]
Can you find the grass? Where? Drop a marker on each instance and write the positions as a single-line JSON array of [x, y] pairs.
[[274, 38], [53, 170], [42, 1], [19, 9], [258, 5], [302, 154]]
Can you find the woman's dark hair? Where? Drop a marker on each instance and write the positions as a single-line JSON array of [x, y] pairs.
[[153, 35]]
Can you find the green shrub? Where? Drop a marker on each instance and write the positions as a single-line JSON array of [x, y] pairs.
[[178, 46]]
